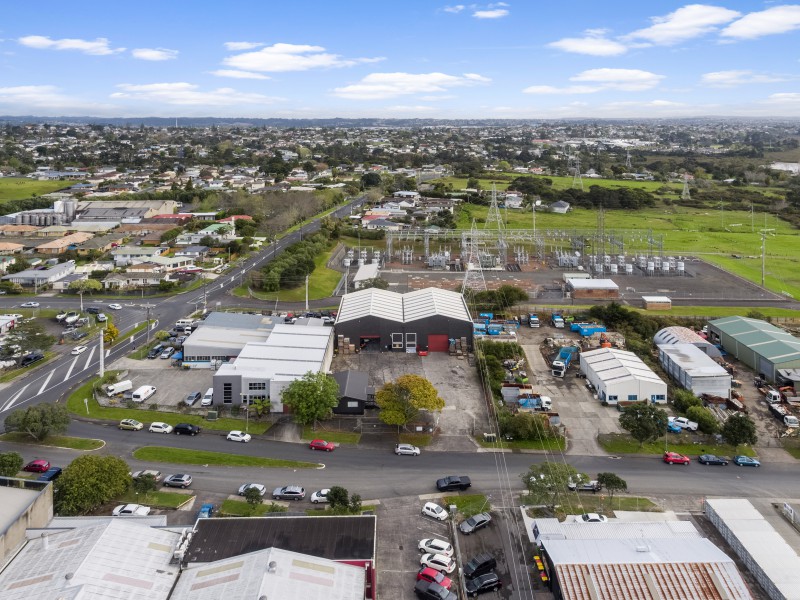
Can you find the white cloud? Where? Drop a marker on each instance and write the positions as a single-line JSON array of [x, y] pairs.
[[632, 80], [732, 78], [687, 22], [188, 94], [592, 44], [236, 46], [155, 54], [495, 13], [784, 98], [97, 47], [548, 90], [46, 100], [454, 9], [291, 57], [234, 74], [378, 86], [778, 19]]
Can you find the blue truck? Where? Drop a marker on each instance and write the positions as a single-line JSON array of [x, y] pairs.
[[562, 361]]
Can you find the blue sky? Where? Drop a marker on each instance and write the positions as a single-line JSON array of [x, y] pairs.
[[416, 58]]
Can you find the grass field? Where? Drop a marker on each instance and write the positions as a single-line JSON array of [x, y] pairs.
[[183, 456], [617, 443], [416, 439], [469, 504], [240, 508], [155, 499], [338, 437], [57, 441], [15, 188]]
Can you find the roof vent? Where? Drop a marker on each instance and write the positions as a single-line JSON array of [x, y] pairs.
[[272, 566], [643, 548], [69, 576]]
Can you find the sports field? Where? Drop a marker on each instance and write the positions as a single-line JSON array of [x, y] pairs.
[[17, 188]]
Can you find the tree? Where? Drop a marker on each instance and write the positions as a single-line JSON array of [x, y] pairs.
[[612, 482], [371, 180], [19, 264], [253, 497], [145, 484], [547, 480], [312, 397], [644, 422], [739, 429], [400, 401], [10, 463], [338, 498], [89, 482], [26, 337], [706, 421], [682, 400], [375, 282], [110, 333], [81, 286], [39, 420]]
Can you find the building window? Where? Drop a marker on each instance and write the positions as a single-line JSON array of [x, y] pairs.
[[613, 398], [227, 393], [257, 385], [633, 397], [658, 397]]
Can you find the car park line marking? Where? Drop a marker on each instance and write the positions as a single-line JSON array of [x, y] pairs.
[[89, 360], [16, 397], [72, 366], [46, 381]]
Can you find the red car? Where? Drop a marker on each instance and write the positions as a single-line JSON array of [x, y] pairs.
[[434, 576], [673, 458], [37, 466], [322, 445]]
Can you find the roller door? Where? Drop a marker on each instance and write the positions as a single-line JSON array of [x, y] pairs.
[[438, 343]]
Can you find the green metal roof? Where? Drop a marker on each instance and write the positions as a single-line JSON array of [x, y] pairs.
[[773, 343]]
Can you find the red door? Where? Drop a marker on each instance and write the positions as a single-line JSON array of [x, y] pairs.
[[438, 343]]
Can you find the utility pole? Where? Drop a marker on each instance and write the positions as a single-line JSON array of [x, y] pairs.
[[148, 324], [306, 293], [102, 353], [764, 233]]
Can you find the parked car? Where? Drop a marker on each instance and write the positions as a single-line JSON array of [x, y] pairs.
[[591, 518], [406, 449], [168, 351], [431, 509], [322, 445], [51, 474], [30, 305], [192, 398], [131, 510], [488, 582], [31, 358], [186, 429], [452, 483], [181, 480], [159, 427], [434, 576], [474, 523], [262, 489], [712, 459], [102, 318], [79, 350], [585, 486], [155, 351], [746, 461], [92, 310], [480, 564], [78, 335], [206, 511], [435, 546], [289, 492], [673, 458], [673, 428], [683, 423], [439, 562], [320, 496], [115, 306], [433, 591], [238, 436], [37, 466], [130, 424], [147, 472]]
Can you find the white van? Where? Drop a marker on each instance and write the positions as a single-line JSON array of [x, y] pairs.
[[118, 388], [208, 397], [143, 393], [184, 323]]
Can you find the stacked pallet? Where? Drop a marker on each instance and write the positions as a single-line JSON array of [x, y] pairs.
[[344, 345], [459, 347]]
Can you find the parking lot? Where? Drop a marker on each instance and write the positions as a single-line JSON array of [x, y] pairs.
[[401, 527], [173, 384]]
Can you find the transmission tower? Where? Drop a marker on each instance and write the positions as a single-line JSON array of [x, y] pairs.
[[473, 272], [685, 195], [577, 179], [628, 166], [495, 219]]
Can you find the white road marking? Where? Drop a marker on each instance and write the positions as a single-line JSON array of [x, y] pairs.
[[16, 397], [89, 360], [46, 381], [72, 366]]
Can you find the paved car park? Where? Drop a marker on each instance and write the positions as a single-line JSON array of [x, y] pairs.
[[173, 384]]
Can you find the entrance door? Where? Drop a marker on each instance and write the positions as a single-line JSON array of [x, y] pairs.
[[397, 341], [411, 343], [438, 343]]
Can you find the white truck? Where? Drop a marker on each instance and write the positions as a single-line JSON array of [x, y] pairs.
[[120, 387], [684, 423]]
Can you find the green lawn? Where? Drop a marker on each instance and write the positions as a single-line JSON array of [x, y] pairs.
[[579, 503], [240, 508], [468, 505], [205, 457], [339, 437], [59, 441], [156, 499], [76, 405], [690, 445], [792, 446], [13, 188], [321, 284], [554, 445], [417, 439]]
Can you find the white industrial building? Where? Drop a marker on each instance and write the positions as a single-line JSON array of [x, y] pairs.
[[694, 370], [365, 273], [766, 554], [618, 375], [683, 335], [263, 369], [221, 337]]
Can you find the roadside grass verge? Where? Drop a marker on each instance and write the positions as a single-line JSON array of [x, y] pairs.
[[416, 439], [321, 283], [692, 446], [184, 456], [58, 441], [576, 503], [20, 371], [553, 444], [240, 508], [792, 446], [130, 333], [156, 499], [338, 437], [76, 406], [468, 505]]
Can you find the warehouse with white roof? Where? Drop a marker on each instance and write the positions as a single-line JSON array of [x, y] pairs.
[[694, 370], [618, 375], [376, 319]]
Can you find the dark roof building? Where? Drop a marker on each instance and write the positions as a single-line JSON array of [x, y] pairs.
[[353, 395]]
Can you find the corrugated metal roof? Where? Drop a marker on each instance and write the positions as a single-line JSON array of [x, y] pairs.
[[413, 306], [592, 284], [693, 361], [773, 343], [372, 302], [611, 363], [617, 530], [429, 302], [677, 335], [646, 569]]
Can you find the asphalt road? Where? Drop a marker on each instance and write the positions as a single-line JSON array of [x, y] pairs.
[[53, 380]]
